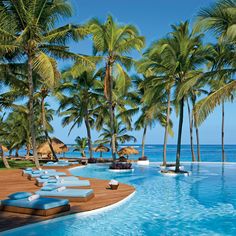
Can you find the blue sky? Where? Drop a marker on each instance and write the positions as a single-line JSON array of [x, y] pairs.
[[153, 18]]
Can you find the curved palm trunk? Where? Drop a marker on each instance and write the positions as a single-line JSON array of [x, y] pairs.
[[4, 159], [143, 140], [223, 132], [82, 153], [181, 117], [49, 140], [89, 137], [31, 110], [108, 93], [166, 129], [190, 116]]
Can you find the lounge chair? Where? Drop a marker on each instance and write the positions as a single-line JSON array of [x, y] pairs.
[[28, 171], [74, 162], [71, 184], [51, 180], [45, 174], [73, 195], [57, 164], [40, 206]]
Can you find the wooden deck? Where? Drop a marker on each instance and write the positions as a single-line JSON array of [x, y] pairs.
[[11, 181]]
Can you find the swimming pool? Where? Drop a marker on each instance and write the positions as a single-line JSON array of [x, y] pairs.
[[201, 204]]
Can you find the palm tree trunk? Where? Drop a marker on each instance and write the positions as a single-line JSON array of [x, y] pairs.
[[89, 137], [111, 108], [198, 145], [27, 151], [83, 154], [190, 116], [223, 132], [17, 152], [31, 109], [197, 134], [143, 140], [4, 159], [49, 140], [166, 129], [181, 117]]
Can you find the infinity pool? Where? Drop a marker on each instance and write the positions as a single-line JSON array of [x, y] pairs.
[[201, 204]]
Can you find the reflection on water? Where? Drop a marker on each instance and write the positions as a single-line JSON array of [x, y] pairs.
[[214, 187]]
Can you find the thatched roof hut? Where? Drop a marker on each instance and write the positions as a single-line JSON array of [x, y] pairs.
[[101, 148], [58, 147], [5, 149], [127, 151]]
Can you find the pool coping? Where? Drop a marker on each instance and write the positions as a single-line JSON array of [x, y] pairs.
[[102, 209], [77, 215], [196, 163]]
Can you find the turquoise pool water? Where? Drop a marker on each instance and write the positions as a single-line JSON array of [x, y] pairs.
[[202, 204]]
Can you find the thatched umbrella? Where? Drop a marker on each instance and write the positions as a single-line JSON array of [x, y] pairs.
[[57, 145], [127, 151], [4, 149], [101, 148]]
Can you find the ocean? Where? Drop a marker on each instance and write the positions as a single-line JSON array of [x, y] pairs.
[[209, 153]]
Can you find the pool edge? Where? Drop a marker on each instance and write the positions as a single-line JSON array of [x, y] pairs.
[[80, 214]]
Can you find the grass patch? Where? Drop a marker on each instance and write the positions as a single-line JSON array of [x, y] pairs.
[[17, 164]]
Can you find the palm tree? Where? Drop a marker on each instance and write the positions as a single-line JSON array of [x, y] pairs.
[[125, 101], [219, 18], [184, 52], [114, 42], [43, 94], [80, 145], [121, 135], [194, 92], [16, 126], [81, 103], [151, 111], [15, 133], [191, 124], [2, 156], [220, 61], [5, 102], [142, 123], [221, 56], [158, 83], [28, 30], [19, 90]]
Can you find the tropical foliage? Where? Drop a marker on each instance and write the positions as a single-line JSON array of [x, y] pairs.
[[177, 72], [80, 145], [112, 42]]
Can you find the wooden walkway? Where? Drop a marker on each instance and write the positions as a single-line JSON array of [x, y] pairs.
[[11, 181]]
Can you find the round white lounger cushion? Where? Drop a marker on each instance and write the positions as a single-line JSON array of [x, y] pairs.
[[173, 168], [121, 170], [143, 163], [176, 174]]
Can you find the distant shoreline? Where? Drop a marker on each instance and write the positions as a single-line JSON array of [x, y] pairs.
[[139, 144]]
